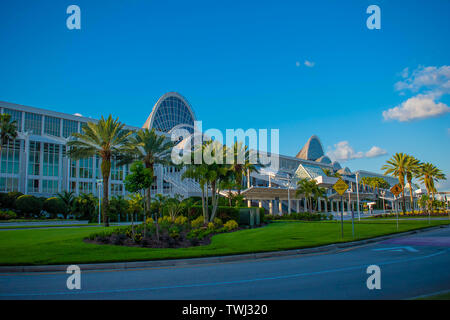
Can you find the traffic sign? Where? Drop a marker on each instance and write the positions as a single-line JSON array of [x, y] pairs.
[[397, 189], [340, 186]]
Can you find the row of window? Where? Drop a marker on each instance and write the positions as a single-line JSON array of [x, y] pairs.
[[52, 125]]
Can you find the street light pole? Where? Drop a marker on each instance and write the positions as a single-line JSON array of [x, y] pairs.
[[99, 185], [357, 196]]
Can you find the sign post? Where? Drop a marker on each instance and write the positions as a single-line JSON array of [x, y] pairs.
[[396, 190], [340, 186]]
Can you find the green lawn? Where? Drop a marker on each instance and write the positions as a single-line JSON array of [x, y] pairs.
[[442, 296], [47, 226], [64, 246]]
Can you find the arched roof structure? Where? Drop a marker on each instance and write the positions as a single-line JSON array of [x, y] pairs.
[[170, 111], [312, 150]]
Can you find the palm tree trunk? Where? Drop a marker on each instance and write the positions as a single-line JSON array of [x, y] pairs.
[[411, 196], [106, 169]]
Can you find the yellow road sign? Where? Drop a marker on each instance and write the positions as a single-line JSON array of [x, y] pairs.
[[397, 189], [340, 186]]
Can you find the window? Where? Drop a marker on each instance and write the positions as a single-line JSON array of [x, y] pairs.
[[52, 126], [85, 187], [73, 168], [116, 189], [15, 116], [10, 157], [69, 127], [33, 185], [116, 171], [51, 160], [33, 123], [85, 168], [34, 158], [50, 186], [9, 184]]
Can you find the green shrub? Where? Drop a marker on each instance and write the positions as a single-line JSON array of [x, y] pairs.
[[7, 215], [8, 200], [29, 205], [54, 206], [231, 225], [181, 220], [218, 223], [197, 223]]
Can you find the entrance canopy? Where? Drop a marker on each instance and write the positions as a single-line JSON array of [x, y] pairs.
[[266, 193]]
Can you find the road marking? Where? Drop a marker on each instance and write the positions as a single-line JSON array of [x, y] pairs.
[[400, 249], [296, 275]]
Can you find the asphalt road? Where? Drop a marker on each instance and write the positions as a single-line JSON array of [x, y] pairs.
[[410, 266]]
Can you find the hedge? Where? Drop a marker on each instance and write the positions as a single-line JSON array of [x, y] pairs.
[[29, 205]]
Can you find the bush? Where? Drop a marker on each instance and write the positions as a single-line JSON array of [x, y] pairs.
[[197, 223], [306, 216], [181, 220], [8, 200], [218, 223], [7, 215], [231, 225], [29, 205], [54, 206]]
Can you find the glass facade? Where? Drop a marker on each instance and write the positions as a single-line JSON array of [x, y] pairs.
[[15, 116], [85, 168], [10, 157], [50, 186], [33, 123], [69, 127], [52, 126], [171, 112], [34, 158], [51, 160]]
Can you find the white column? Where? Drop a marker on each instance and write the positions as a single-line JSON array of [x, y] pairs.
[[304, 205], [271, 206], [319, 204], [298, 206]]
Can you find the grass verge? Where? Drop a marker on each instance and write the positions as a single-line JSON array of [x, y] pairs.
[[65, 246]]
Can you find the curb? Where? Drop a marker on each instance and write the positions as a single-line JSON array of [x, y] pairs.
[[208, 260]]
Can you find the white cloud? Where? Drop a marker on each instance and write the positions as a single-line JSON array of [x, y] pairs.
[[78, 114], [297, 64], [435, 80], [418, 107], [309, 64], [343, 151], [428, 84], [375, 152]]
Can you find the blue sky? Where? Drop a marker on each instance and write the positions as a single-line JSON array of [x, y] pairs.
[[241, 64]]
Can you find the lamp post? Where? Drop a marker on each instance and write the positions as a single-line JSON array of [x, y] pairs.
[[357, 196], [99, 186]]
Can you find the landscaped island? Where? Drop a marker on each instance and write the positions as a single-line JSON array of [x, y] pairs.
[[67, 246]]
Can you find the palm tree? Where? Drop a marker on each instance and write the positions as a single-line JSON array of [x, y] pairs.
[[151, 149], [429, 174], [242, 164], [412, 169], [306, 188], [396, 166], [68, 198], [210, 177], [8, 129], [108, 140]]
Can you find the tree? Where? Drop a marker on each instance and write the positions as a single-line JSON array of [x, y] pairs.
[[84, 206], [118, 205], [412, 170], [174, 206], [209, 176], [429, 174], [68, 199], [28, 205], [138, 180], [108, 140], [54, 206], [135, 206], [242, 163], [151, 149], [306, 188], [396, 166], [8, 129]]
